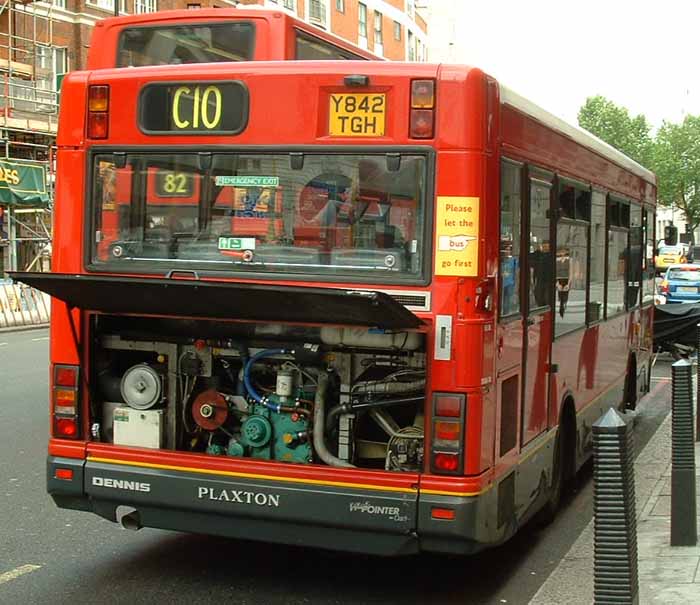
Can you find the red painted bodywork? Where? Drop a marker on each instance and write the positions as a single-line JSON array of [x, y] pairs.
[[274, 33], [472, 130]]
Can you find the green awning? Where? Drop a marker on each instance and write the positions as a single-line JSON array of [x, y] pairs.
[[23, 183]]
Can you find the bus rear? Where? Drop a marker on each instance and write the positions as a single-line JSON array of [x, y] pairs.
[[179, 37], [266, 323]]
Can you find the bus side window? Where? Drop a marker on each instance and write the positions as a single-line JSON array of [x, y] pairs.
[[510, 239]]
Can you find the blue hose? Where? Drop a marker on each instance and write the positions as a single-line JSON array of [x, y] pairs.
[[246, 376]]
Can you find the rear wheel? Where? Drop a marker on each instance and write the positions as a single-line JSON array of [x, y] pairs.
[[630, 401], [556, 486]]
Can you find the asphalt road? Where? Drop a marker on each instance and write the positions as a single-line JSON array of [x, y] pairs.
[[48, 555]]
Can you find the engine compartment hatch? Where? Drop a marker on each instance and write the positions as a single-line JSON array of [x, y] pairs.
[[222, 300]]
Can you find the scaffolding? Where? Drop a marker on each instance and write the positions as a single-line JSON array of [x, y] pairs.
[[30, 68]]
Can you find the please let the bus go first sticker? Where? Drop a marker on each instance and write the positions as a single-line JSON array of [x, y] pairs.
[[457, 241]]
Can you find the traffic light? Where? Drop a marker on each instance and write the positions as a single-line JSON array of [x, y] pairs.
[[670, 235]]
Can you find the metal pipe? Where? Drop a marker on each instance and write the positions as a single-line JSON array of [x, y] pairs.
[[318, 433], [389, 387]]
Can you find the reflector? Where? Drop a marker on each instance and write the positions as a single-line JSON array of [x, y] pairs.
[[64, 473], [446, 514]]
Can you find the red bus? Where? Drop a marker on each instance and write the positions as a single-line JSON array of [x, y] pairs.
[[382, 318], [213, 35]]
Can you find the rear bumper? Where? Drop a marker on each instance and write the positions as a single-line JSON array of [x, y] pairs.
[[353, 519]]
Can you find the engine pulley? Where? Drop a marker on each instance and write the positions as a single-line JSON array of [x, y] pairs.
[[142, 387], [209, 409]]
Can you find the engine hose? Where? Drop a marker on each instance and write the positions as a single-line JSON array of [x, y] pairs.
[[318, 433], [349, 408], [246, 376]]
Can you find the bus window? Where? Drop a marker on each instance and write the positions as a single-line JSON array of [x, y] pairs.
[[510, 239], [338, 215], [309, 48], [193, 43]]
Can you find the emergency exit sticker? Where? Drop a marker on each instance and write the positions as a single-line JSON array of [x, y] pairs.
[[457, 236]]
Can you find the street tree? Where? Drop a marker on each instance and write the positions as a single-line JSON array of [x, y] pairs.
[[677, 165], [615, 126]]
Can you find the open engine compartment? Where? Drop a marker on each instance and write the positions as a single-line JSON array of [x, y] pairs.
[[340, 396]]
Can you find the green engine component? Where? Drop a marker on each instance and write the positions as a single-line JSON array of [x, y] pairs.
[[215, 449], [273, 436], [235, 448], [256, 431]]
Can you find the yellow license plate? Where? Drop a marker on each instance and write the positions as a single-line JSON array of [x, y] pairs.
[[357, 115]]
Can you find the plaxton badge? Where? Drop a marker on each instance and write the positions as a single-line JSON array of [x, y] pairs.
[[238, 496]]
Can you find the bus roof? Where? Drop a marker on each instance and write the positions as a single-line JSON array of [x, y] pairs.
[[581, 136]]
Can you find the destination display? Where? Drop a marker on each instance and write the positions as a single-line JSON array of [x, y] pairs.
[[194, 108]]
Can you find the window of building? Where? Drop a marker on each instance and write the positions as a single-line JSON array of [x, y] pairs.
[[411, 47], [362, 11], [340, 6], [145, 6], [193, 6], [410, 8], [397, 31], [510, 239], [596, 286], [289, 4], [108, 5], [378, 31]]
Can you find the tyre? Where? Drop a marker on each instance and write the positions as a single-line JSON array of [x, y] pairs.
[[556, 487]]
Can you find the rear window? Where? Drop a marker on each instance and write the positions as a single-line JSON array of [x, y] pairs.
[[179, 44], [684, 274], [669, 250]]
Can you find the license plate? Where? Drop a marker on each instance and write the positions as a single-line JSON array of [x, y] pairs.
[[687, 289], [357, 115]]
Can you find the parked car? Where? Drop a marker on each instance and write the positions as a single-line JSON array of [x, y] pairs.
[[669, 255], [681, 283]]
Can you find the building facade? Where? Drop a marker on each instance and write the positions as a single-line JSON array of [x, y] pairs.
[[41, 41]]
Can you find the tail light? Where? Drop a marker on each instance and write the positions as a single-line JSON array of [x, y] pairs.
[[663, 288], [447, 454], [422, 124], [66, 409], [98, 112]]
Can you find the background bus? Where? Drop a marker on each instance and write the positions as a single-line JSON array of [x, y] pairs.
[[383, 317], [213, 35]]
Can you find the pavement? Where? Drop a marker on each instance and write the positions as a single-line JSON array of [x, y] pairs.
[[666, 574]]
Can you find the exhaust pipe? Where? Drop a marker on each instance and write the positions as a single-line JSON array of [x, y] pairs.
[[129, 518]]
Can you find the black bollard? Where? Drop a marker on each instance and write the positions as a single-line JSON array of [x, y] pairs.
[[615, 536], [684, 525]]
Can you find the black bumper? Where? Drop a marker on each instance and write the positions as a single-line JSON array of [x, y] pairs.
[[353, 519]]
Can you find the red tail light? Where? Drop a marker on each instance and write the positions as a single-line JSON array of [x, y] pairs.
[[422, 124], [447, 463], [447, 454], [66, 427], [98, 112], [65, 396]]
